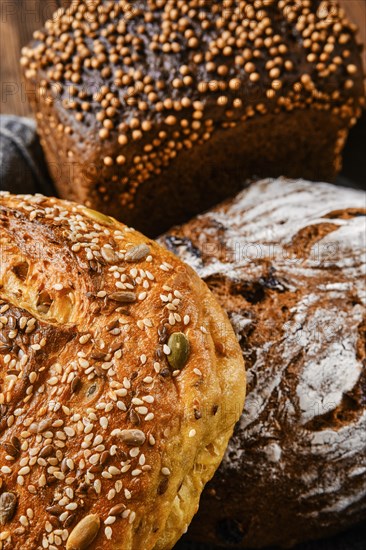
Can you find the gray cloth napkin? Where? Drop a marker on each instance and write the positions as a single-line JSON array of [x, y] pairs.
[[22, 166]]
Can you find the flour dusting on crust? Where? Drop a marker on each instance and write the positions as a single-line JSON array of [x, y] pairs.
[[287, 259]]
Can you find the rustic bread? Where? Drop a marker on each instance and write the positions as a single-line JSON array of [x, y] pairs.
[[113, 360], [153, 111], [287, 261]]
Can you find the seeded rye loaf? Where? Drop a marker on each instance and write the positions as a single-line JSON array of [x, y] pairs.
[[113, 356], [286, 259], [155, 110]]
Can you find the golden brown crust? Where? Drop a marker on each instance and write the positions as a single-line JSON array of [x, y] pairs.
[[87, 307]]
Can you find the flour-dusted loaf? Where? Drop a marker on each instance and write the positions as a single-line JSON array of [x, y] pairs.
[[113, 360], [152, 111], [286, 259]]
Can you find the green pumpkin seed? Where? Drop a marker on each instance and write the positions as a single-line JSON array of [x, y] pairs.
[[179, 350], [98, 216]]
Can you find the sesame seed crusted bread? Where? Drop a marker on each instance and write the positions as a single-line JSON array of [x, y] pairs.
[[286, 259], [120, 382], [155, 110]]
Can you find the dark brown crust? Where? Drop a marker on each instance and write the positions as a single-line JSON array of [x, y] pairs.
[[172, 171], [286, 260]]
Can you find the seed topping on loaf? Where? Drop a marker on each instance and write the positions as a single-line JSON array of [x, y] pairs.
[[165, 75], [56, 352]]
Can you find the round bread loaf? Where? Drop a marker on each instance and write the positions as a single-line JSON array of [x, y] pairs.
[[121, 379], [287, 261], [154, 111]]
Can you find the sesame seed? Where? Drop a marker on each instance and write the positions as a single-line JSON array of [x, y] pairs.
[[148, 399], [142, 410], [103, 422]]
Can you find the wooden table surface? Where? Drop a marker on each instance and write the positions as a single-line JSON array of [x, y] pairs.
[[19, 18]]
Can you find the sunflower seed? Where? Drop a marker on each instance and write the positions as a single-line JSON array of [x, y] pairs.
[[15, 442], [75, 384], [70, 520], [137, 253], [123, 297], [11, 450], [163, 485], [117, 510], [55, 510], [134, 438], [134, 417], [48, 450], [109, 255], [8, 504], [83, 533], [104, 457]]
